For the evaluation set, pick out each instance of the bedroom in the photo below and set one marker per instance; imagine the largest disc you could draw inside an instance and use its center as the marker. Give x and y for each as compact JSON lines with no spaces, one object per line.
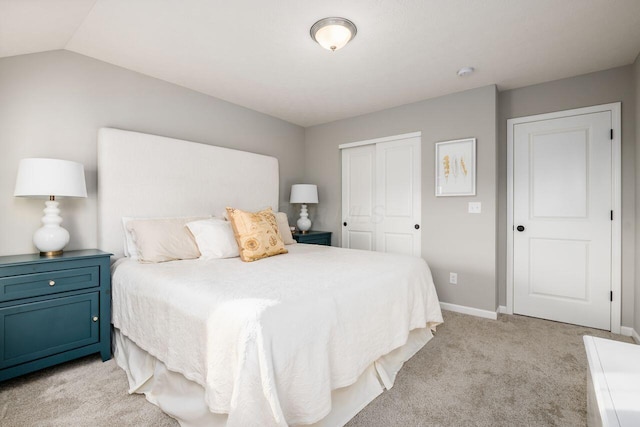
{"x":60,"y":82}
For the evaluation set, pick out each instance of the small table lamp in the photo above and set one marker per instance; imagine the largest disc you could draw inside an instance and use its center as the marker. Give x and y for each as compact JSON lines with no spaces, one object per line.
{"x":50,"y":178}
{"x":304,"y":193}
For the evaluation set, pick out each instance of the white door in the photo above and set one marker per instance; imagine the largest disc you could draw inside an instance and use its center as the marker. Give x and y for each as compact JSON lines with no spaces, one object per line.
{"x":381,"y":196}
{"x":562,"y":207}
{"x":398,"y":191}
{"x":358,"y":197}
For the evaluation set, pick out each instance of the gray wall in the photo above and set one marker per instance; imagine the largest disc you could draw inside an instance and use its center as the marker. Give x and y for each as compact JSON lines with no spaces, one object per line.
{"x":636,"y":76}
{"x":52,"y":104}
{"x":582,"y":91}
{"x":452,"y":239}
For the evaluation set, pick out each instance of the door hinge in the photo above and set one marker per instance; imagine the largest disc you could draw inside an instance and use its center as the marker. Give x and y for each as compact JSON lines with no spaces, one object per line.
{"x":611,"y":296}
{"x":611,"y":215}
{"x":612,"y":134}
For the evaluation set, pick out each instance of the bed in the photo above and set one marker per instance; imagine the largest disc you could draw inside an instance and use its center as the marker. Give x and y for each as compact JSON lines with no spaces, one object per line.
{"x":305,"y":338}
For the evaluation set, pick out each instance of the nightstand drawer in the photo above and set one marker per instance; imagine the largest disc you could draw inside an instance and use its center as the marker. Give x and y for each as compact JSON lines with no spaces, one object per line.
{"x":316,"y":241}
{"x":314,"y":237}
{"x":35,"y":330}
{"x":32,"y":285}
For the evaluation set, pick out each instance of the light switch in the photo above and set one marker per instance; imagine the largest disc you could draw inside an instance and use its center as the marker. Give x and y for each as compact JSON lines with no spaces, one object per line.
{"x":475,"y":207}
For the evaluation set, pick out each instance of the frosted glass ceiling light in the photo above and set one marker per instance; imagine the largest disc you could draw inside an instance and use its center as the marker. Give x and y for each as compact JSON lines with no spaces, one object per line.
{"x":333,"y":33}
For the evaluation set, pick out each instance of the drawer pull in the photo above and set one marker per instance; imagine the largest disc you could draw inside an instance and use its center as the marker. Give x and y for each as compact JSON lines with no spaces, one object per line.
{"x":51,"y":282}
{"x":95,"y":318}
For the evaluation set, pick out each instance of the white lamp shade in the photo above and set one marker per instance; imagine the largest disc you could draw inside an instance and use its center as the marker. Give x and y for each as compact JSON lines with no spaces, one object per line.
{"x":304,"y":193}
{"x":50,"y":177}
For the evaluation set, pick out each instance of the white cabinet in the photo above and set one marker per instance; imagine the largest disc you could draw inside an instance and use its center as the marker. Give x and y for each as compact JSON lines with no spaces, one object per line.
{"x":613,"y":383}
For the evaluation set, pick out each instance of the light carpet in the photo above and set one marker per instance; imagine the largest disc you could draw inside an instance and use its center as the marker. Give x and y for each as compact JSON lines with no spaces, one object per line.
{"x":475,"y":372}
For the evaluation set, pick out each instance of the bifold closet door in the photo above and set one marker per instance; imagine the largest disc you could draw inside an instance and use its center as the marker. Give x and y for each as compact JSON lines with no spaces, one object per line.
{"x":381,"y":197}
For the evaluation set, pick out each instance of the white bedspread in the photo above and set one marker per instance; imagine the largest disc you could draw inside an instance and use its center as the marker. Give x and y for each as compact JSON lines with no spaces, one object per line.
{"x":269,"y":340}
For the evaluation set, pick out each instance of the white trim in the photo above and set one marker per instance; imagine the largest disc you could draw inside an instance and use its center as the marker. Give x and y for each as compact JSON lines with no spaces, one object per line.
{"x":630,"y":332}
{"x":469,"y":310}
{"x":509,"y":274}
{"x":377,"y":140}
{"x":616,"y":226}
{"x":502,"y":309}
{"x":616,"y":229}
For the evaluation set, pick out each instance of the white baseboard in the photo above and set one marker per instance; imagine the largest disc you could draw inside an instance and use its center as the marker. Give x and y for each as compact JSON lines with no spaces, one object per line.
{"x":624,"y":330}
{"x":469,"y":310}
{"x":628,"y":332}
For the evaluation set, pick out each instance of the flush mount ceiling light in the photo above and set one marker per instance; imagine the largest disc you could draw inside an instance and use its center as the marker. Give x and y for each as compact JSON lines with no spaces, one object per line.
{"x":333,"y":33}
{"x":465,"y":71}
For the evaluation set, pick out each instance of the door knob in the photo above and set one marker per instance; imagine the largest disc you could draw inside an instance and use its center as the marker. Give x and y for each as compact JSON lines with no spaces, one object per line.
{"x":417,"y":226}
{"x":344,"y":223}
{"x":520,"y":228}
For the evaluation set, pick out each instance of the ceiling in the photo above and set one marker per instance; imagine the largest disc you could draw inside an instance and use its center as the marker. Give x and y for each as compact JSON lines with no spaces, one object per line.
{"x":259,"y":54}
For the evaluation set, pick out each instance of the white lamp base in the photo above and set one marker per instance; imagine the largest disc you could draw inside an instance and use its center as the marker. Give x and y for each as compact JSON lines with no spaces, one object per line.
{"x":50,"y":239}
{"x":304,"y":223}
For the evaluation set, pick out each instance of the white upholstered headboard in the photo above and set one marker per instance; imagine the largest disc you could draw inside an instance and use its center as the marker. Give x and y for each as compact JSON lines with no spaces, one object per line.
{"x":141,"y":175}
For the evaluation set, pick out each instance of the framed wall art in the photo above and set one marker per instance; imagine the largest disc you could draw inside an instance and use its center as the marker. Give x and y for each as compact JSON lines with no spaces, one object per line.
{"x":456,"y":167}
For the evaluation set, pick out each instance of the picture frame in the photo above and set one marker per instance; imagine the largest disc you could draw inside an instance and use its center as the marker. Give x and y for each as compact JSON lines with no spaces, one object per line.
{"x":455,"y":168}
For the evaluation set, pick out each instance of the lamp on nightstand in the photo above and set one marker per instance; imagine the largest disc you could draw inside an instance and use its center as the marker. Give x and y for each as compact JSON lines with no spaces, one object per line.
{"x":304,"y":193}
{"x":50,"y":178}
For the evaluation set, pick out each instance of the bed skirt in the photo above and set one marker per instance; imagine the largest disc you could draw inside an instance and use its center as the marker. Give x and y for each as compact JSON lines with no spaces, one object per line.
{"x":183,"y":399}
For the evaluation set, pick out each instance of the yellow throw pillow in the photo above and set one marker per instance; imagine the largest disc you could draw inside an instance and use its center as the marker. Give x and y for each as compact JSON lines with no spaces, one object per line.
{"x":256,"y":234}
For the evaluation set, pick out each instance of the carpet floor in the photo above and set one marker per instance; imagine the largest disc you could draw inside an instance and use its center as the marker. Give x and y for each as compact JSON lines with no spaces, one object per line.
{"x":516,"y":371}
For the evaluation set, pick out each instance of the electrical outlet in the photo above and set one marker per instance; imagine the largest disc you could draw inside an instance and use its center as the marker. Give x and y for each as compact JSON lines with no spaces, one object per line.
{"x":453,"y":278}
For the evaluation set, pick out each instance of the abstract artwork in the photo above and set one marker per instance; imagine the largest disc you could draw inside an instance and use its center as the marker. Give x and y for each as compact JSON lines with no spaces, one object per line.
{"x":456,"y":167}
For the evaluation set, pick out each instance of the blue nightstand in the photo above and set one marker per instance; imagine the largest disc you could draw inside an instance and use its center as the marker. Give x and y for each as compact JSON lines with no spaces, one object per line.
{"x":53,"y":310}
{"x":314,"y":237}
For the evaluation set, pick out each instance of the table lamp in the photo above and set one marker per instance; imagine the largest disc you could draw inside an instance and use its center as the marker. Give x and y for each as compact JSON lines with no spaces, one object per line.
{"x":50,"y":178}
{"x":304,"y":193}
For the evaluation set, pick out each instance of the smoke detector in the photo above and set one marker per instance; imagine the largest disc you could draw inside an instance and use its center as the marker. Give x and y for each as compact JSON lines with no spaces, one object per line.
{"x":465,"y":71}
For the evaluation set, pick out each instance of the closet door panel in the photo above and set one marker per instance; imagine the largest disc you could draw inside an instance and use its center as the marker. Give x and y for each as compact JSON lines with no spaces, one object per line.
{"x":398,"y":195}
{"x":358,"y":197}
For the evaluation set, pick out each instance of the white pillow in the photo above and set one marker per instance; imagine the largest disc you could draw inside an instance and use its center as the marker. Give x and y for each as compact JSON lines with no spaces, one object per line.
{"x":130,"y":248}
{"x":215,"y":238}
{"x":163,"y":239}
{"x":283,"y":227}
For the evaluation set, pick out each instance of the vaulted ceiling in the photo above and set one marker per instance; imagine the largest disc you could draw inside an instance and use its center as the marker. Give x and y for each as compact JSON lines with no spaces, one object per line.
{"x":259,"y":54}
